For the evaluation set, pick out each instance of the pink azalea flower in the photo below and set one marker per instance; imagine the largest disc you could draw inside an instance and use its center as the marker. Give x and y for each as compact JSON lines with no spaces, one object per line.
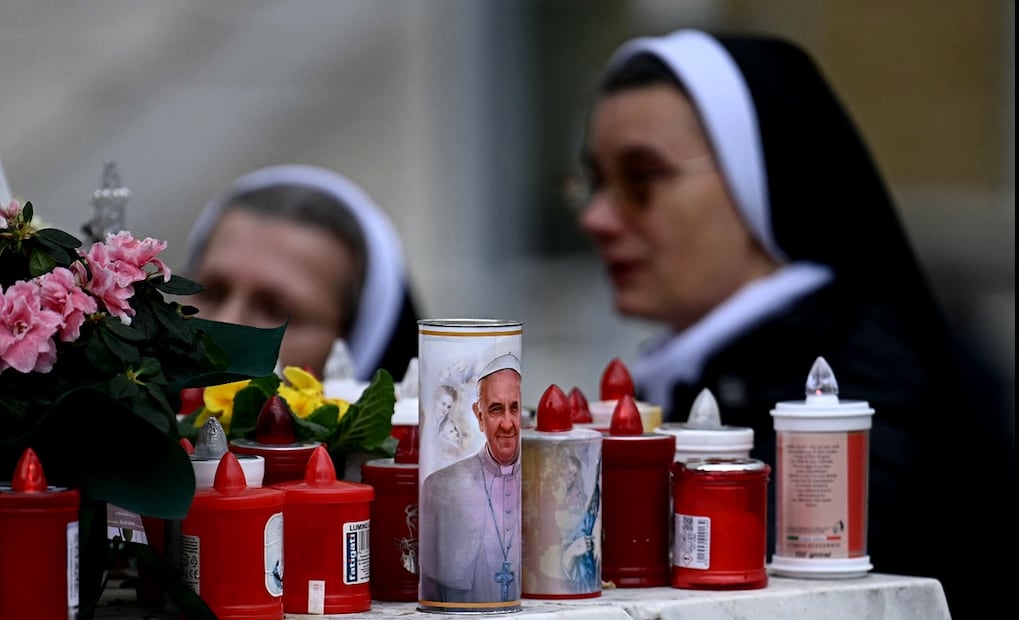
{"x":62,"y":293}
{"x":9,"y":212}
{"x":138,"y":254}
{"x":27,"y":330}
{"x":106,"y":287}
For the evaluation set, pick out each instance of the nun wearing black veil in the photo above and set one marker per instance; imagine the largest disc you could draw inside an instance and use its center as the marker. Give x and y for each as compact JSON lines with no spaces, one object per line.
{"x":306,"y":244}
{"x":733,"y":201}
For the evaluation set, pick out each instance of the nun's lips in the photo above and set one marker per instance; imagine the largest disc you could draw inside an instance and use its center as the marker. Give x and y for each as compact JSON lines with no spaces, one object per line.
{"x":622,"y":271}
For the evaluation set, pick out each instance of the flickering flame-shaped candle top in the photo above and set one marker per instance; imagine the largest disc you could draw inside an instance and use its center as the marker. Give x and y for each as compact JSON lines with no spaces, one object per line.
{"x":616,"y":381}
{"x":626,"y":418}
{"x":320,"y":470}
{"x":554,"y":411}
{"x":29,"y":476}
{"x":275,"y":424}
{"x":704,"y":412}
{"x":407,"y":448}
{"x":821,"y":384}
{"x":230,"y":479}
{"x":211,"y":442}
{"x":580,"y":411}
{"x":340,"y":363}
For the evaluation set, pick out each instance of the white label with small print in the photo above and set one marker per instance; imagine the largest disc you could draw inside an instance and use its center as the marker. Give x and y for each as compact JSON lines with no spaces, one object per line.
{"x":316,"y":597}
{"x":190,"y":560}
{"x":692,"y":542}
{"x":73,"y":571}
{"x":356,"y":558}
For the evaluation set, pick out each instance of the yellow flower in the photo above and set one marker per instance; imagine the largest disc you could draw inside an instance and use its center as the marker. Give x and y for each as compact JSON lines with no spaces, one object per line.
{"x":301,"y":402}
{"x":304,"y":393}
{"x":219,"y":401}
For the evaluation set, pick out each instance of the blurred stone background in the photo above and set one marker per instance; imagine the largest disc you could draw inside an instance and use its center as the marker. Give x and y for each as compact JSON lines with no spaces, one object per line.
{"x":461,"y":117}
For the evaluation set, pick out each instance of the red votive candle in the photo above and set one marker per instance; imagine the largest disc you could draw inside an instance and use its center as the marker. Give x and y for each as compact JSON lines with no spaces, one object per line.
{"x":39,"y":549}
{"x":635,"y":487}
{"x":232,"y":546}
{"x":720,"y":528}
{"x":326,"y":527}
{"x":394,"y":517}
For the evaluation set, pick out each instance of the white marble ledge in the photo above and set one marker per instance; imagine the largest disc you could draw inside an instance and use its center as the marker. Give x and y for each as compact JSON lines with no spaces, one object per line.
{"x":876,"y":596}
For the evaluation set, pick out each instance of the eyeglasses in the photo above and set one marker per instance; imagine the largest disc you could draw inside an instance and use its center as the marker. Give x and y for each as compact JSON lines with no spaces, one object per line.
{"x":634,"y":189}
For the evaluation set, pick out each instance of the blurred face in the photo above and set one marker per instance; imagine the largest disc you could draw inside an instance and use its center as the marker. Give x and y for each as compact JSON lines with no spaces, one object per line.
{"x":667,"y":230}
{"x":450,"y":433}
{"x":259,"y":270}
{"x":498,"y":411}
{"x":445,"y":404}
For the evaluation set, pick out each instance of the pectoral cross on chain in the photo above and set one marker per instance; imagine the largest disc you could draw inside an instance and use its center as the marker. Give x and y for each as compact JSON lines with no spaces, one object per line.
{"x":505,"y":578}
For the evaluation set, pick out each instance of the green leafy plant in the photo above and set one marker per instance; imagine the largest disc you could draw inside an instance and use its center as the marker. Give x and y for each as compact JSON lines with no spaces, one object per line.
{"x":94,"y":352}
{"x":362,"y":427}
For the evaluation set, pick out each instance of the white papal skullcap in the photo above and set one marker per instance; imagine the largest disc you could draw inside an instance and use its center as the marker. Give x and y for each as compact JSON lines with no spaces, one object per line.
{"x":507,"y":361}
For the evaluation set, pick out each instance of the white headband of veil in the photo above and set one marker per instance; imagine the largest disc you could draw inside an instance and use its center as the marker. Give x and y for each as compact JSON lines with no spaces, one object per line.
{"x":726,"y":109}
{"x":384,"y":284}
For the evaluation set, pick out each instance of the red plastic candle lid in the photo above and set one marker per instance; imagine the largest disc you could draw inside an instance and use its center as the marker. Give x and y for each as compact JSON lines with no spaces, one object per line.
{"x":580,"y":410}
{"x":554,"y":411}
{"x":29,"y":476}
{"x":616,"y":381}
{"x":275,"y":423}
{"x":320,"y":470}
{"x":626,"y":418}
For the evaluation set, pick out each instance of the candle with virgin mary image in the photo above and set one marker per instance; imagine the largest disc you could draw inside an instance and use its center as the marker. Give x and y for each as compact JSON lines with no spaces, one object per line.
{"x":469,"y":465}
{"x":561,"y":504}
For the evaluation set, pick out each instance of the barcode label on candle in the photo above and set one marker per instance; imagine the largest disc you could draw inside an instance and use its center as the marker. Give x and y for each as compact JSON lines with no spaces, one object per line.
{"x":355,"y":552}
{"x":692,"y":542}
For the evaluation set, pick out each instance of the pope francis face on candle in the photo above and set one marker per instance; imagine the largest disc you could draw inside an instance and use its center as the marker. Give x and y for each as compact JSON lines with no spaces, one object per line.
{"x":498,"y":412}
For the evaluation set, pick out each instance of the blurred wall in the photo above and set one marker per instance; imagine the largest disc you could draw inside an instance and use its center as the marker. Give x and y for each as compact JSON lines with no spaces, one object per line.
{"x":461,"y":116}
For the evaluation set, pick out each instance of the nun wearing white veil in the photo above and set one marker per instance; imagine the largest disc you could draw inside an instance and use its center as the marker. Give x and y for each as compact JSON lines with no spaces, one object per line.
{"x":305,"y":244}
{"x":733,"y":201}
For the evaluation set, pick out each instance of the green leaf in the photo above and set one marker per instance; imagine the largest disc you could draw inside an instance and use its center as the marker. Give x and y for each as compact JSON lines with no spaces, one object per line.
{"x":251,"y":351}
{"x":368,"y":421}
{"x":319,"y":424}
{"x":121,"y":387}
{"x":27,"y":212}
{"x":174,"y":323}
{"x":178,"y":285}
{"x":247,"y":405}
{"x":40,"y":262}
{"x":100,"y":356}
{"x":59,"y":237}
{"x":61,"y":255}
{"x":123,"y":351}
{"x":92,"y":442}
{"x":121,"y":331}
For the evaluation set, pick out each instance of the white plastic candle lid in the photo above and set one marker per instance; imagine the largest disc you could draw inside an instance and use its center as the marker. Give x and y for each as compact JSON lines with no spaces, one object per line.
{"x":821,"y":410}
{"x":821,"y":568}
{"x":701,"y":442}
{"x":819,"y":417}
